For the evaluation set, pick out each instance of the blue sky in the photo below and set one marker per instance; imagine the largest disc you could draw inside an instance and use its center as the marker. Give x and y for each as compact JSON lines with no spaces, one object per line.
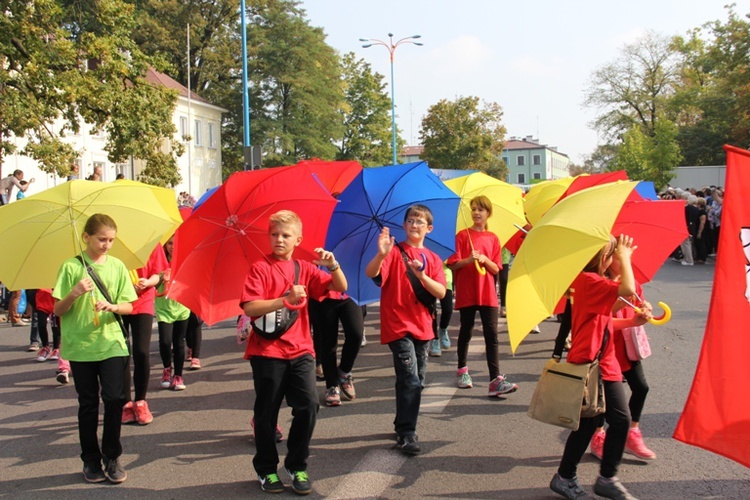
{"x":533,"y":57}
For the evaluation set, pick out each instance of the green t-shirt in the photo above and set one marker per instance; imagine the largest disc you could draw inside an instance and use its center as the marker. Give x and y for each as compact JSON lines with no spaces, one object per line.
{"x":448,"y":277}
{"x":168,"y":310}
{"x":81,"y":340}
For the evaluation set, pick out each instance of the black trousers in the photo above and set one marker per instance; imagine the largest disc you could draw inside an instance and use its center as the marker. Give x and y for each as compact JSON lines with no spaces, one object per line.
{"x":194,"y":335}
{"x":446,"y":312}
{"x":139,"y":326}
{"x":172,"y":340}
{"x":89,"y":377}
{"x":618,"y":418}
{"x":489,"y":316}
{"x":636,"y":379}
{"x":325,"y":317}
{"x":275,"y":380}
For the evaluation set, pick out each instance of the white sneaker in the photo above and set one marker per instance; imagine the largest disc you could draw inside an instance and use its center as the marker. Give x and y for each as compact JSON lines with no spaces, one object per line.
{"x":686,"y":263}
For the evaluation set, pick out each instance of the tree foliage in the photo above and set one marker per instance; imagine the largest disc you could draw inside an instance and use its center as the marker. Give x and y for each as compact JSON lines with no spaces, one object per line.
{"x":649,"y":158}
{"x":65,"y":63}
{"x":462,"y":135}
{"x":367,"y":134}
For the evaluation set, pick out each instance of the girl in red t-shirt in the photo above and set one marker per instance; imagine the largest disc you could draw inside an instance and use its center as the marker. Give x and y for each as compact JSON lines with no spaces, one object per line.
{"x":593,"y":298}
{"x":477,"y":248}
{"x":632,"y":371}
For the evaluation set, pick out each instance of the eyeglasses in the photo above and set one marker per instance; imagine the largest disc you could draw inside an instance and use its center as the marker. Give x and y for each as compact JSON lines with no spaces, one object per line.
{"x":415,"y":222}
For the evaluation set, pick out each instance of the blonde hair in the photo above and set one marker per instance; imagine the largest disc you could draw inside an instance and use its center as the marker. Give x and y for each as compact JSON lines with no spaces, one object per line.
{"x":284,"y":217}
{"x":595,"y":265}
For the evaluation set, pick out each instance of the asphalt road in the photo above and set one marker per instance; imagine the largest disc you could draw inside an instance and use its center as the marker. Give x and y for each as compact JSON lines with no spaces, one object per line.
{"x":475,"y":447}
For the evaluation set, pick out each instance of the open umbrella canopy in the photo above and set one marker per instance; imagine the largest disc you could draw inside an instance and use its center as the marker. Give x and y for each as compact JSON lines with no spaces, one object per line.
{"x":541,"y":197}
{"x":556,"y":249}
{"x":379,"y":197}
{"x":216,"y":245}
{"x":506,"y":199}
{"x":334,"y":175}
{"x":41,"y":231}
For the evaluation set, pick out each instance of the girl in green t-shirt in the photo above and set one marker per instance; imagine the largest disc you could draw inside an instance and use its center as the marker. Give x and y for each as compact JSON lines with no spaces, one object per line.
{"x":93,"y":342}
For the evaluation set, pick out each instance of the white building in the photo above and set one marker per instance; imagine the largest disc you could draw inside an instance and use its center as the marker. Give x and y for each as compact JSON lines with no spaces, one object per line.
{"x":194,"y":118}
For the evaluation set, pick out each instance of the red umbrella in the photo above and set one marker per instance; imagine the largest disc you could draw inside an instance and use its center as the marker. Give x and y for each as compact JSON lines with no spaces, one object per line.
{"x":586,"y":181}
{"x":215,"y":246}
{"x":334,"y":175}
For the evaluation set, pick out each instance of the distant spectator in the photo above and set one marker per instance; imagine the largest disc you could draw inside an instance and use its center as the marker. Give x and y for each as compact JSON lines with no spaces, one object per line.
{"x":97,"y":175}
{"x":73,"y":175}
{"x":7,"y":183}
{"x":120,"y":176}
{"x":20,"y":195}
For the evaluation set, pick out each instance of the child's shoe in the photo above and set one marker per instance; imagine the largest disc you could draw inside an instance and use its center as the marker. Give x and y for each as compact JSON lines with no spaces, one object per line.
{"x":300,"y":481}
{"x":445,"y":340}
{"x":54,"y":355}
{"x":319,"y":372}
{"x":597,"y":444}
{"x":635,"y":445}
{"x":346,"y":385}
{"x":333,"y":398}
{"x":43,"y":354}
{"x":166,"y":377}
{"x":435,"y":351}
{"x":63,"y":376}
{"x":279,"y":434}
{"x":128,"y":415}
{"x":270,"y":483}
{"x":142,"y":414}
{"x":195,"y":364}
{"x":463,"y":379}
{"x":501,"y":386}
{"x":177,"y":384}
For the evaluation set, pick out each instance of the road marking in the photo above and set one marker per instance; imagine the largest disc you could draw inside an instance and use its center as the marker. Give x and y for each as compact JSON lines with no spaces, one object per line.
{"x":435,"y":397}
{"x":371,"y":476}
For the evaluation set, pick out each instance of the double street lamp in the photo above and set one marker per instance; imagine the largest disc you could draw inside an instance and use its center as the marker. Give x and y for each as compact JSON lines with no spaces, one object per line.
{"x":391,"y":49}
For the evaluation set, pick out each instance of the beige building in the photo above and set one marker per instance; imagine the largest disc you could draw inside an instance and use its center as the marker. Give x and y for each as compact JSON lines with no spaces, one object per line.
{"x":198,"y":124}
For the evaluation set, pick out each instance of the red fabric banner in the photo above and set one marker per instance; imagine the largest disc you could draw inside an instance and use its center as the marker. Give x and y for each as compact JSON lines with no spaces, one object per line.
{"x":716,"y":416}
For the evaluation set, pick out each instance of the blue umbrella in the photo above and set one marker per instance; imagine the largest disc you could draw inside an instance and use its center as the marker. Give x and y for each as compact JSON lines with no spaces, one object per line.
{"x":379,"y":197}
{"x":647,"y":190}
{"x":205,"y":196}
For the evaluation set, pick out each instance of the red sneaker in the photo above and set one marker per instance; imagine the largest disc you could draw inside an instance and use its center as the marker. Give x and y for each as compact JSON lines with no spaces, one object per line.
{"x":166,"y":377}
{"x":635,"y":445}
{"x":597,"y":444}
{"x":128,"y":416}
{"x":142,"y":413}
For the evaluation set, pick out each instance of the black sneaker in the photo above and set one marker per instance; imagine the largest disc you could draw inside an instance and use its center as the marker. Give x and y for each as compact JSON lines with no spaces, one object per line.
{"x":300,"y":481}
{"x":114,"y":471}
{"x":270,"y":483}
{"x":92,"y":472}
{"x":408,"y":445}
{"x":569,"y":488}
{"x":611,"y":488}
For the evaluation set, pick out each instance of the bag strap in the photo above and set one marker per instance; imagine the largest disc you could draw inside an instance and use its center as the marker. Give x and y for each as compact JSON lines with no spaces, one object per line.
{"x":419,"y":290}
{"x":100,"y":285}
{"x":605,"y":338}
{"x":296,"y":272}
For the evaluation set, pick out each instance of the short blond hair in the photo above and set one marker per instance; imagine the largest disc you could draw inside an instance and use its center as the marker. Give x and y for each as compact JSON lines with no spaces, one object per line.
{"x":284,"y":217}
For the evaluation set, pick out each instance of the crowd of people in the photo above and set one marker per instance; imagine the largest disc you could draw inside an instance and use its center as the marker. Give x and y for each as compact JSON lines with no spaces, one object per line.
{"x":101,"y":322}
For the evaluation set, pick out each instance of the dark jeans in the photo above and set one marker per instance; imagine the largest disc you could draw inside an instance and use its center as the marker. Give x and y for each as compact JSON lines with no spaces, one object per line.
{"x":42,"y":318}
{"x":194,"y":335}
{"x":636,"y":379}
{"x":172,"y":338}
{"x":562,"y":333}
{"x":274,"y":380}
{"x":446,"y":312}
{"x":139,"y":326}
{"x":489,"y":316}
{"x":325,"y":317}
{"x":410,"y":365}
{"x":618,"y":418}
{"x":88,"y":376}
{"x":502,"y":278}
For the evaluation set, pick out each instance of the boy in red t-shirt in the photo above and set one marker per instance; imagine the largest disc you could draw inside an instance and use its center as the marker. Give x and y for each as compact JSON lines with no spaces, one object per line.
{"x":284,"y":368}
{"x":407,"y":325}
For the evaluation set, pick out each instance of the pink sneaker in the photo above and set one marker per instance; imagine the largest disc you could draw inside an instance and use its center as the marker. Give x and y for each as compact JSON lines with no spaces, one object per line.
{"x":128,"y":416}
{"x":166,"y":377}
{"x":635,"y":445}
{"x":54,"y":355}
{"x":177,"y":384}
{"x":195,"y":364}
{"x":43,"y":354}
{"x":597,"y":444}
{"x":142,"y":413}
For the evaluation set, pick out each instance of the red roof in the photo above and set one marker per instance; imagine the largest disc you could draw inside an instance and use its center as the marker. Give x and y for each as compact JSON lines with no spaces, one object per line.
{"x":522,"y":144}
{"x":153,"y":76}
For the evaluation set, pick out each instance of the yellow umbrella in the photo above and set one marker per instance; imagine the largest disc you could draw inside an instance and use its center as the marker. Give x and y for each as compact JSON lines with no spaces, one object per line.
{"x":555,"y":250}
{"x":542,"y":196}
{"x":39,"y":232}
{"x":507,"y":203}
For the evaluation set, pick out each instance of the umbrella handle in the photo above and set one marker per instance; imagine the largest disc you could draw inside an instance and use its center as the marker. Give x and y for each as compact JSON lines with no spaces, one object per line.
{"x":481,"y":269}
{"x":96,"y":313}
{"x":660,"y":320}
{"x":295,"y":307}
{"x":424,"y":262}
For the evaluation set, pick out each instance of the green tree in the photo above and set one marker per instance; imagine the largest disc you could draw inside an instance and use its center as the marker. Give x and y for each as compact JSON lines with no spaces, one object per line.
{"x":367,"y":123}
{"x":64,"y":63}
{"x":462,"y":135}
{"x":649,"y":158}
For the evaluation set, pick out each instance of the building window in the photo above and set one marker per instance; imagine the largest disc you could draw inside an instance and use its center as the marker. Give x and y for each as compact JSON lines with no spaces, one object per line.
{"x":537,"y":175}
{"x":211,"y":136}
{"x":521,"y":178}
{"x":184,"y":127}
{"x":198,"y":137}
{"x":505,"y":160}
{"x":537,"y":159}
{"x":520,"y":161}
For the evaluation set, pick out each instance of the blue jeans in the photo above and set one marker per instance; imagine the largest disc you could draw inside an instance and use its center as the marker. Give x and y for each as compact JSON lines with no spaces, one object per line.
{"x":410,"y":364}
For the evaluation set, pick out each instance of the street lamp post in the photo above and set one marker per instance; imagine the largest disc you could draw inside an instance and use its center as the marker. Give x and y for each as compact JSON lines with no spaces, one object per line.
{"x":391,"y":50}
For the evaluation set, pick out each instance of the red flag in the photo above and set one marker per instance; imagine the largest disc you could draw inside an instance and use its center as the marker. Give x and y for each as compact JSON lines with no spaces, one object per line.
{"x":717,"y":413}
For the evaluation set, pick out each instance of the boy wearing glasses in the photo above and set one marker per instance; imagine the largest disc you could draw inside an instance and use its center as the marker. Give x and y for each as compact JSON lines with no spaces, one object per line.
{"x":406,"y":327}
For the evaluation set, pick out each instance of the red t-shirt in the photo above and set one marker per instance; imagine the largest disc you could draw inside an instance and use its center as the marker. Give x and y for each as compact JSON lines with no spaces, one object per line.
{"x":44,"y":300}
{"x":157,"y":263}
{"x":592,"y":297}
{"x":620,"y":351}
{"x":472,"y":288}
{"x":400,"y":311}
{"x":271,"y":280}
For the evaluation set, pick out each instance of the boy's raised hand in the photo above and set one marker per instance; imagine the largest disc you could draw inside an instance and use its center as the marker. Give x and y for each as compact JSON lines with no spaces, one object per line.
{"x":385,"y":241}
{"x":325,"y":258}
